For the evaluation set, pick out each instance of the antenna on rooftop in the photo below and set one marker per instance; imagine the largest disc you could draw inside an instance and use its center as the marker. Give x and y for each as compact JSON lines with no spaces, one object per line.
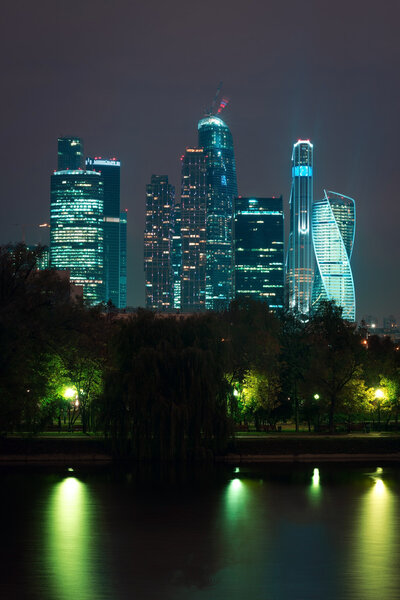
{"x":214,"y":102}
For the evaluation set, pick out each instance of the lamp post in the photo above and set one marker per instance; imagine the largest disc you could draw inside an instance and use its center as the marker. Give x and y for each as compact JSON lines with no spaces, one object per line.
{"x":379,"y":395}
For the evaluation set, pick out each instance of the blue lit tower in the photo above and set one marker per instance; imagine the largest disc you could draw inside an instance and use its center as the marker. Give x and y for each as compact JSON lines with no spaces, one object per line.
{"x":333,"y":229}
{"x":76,"y":229}
{"x":299,"y":268}
{"x":258,"y":249}
{"x":110,"y":172}
{"x":216,"y":139}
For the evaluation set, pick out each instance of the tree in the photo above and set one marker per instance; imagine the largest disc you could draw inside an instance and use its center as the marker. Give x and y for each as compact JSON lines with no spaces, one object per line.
{"x":335,"y":356}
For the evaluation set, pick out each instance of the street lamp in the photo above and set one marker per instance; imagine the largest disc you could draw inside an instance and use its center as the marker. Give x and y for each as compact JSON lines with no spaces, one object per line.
{"x":379,"y":395}
{"x":316,"y":396}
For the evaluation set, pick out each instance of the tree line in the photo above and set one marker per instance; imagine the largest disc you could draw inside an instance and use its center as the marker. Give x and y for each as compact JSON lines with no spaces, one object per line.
{"x":178,"y":386}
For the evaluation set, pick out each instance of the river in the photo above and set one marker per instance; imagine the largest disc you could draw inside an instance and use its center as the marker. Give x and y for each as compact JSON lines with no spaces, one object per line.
{"x":261,"y":532}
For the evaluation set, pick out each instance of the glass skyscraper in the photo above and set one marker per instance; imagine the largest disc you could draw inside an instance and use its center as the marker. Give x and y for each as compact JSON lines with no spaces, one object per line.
{"x":157,"y":244}
{"x":300,"y":262}
{"x":258,"y":247}
{"x":123,"y":223}
{"x":110,"y":172}
{"x":193,"y":230}
{"x":333,"y":230}
{"x":76,"y":229}
{"x":70,"y":153}
{"x":216,"y":140}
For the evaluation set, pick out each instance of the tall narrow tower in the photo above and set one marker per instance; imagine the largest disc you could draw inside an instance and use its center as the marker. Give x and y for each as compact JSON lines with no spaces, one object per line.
{"x":110,"y":173}
{"x":157,"y":244}
{"x":193,"y":230}
{"x":300,"y":264}
{"x":216,"y":140}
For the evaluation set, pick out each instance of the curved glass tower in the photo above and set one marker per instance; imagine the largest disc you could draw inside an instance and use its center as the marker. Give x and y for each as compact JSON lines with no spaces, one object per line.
{"x":216,"y":139}
{"x":76,"y":229}
{"x":333,"y":229}
{"x":300,"y":266}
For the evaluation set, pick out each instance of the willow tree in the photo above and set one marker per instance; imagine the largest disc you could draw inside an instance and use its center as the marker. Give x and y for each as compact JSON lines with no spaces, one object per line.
{"x":164,"y":389}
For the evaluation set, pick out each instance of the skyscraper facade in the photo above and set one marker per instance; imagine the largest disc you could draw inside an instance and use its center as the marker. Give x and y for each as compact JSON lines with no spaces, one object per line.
{"x":176,"y":253}
{"x":258,"y":249}
{"x":123,"y":223}
{"x":193,"y":230}
{"x":70,"y":153}
{"x":300,"y":261}
{"x":216,"y":140}
{"x":76,"y":229}
{"x":333,"y":229}
{"x":157,"y":244}
{"x":110,"y":172}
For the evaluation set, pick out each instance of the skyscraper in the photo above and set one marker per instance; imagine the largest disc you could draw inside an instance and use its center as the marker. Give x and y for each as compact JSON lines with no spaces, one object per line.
{"x":76,"y":229}
{"x":216,"y":140}
{"x":70,"y":153}
{"x":110,"y":173}
{"x":300,"y":262}
{"x":193,"y":230}
{"x":176,"y":253}
{"x":123,"y":222}
{"x":333,"y":229}
{"x":157,"y":244}
{"x":258,"y":246}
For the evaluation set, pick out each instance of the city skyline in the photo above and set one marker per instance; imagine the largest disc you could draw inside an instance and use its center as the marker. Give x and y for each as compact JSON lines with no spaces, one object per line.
{"x":134,"y":102}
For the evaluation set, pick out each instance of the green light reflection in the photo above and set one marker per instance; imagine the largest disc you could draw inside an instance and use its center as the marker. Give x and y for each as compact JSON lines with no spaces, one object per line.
{"x":315,"y":487}
{"x":375,"y":543}
{"x":69,"y":553}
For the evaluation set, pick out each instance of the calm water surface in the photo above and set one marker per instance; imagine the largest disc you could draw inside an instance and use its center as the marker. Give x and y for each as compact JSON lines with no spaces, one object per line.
{"x":270,"y":533}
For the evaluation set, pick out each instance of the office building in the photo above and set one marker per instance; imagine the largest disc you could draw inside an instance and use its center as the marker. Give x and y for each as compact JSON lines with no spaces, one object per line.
{"x":123,"y":223}
{"x":215,"y":138}
{"x":110,"y":172}
{"x":300,"y":260}
{"x":258,"y":249}
{"x":76,"y":229}
{"x":333,"y":229}
{"x":70,"y":153}
{"x":193,"y":230}
{"x":157,"y":244}
{"x":176,"y":253}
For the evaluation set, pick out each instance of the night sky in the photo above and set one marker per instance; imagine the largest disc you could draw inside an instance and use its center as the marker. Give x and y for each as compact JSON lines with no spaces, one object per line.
{"x":132,"y":78}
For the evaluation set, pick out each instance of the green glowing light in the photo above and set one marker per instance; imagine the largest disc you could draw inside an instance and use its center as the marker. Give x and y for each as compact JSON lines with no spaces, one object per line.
{"x":69,"y":393}
{"x":237,"y":470}
{"x":379,"y":394}
{"x":316,"y":396}
{"x":379,"y":470}
{"x":315,"y":478}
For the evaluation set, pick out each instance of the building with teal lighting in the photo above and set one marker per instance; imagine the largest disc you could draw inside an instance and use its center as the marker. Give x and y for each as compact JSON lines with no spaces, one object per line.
{"x":76,"y":229}
{"x":333,"y":230}
{"x":216,"y":140}
{"x":258,"y":250}
{"x":300,"y":260}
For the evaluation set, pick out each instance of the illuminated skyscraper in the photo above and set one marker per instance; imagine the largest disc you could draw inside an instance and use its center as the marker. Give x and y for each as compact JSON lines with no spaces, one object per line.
{"x":70,"y":153}
{"x":193,"y":230}
{"x":176,"y":253}
{"x":110,"y":173}
{"x":76,"y":229}
{"x":300,"y":262}
{"x":216,"y":140}
{"x":258,"y":242}
{"x":157,"y":244}
{"x":123,"y":222}
{"x":333,"y":229}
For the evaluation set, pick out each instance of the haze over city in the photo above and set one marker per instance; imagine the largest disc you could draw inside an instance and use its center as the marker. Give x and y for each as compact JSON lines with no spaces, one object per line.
{"x":133,"y":80}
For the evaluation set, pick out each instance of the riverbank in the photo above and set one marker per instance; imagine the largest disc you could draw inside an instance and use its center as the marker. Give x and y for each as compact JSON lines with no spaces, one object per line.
{"x":245,"y":448}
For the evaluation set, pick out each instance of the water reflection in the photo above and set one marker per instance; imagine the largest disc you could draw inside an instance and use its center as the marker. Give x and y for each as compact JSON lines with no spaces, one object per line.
{"x":376,"y":541}
{"x":69,"y":541}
